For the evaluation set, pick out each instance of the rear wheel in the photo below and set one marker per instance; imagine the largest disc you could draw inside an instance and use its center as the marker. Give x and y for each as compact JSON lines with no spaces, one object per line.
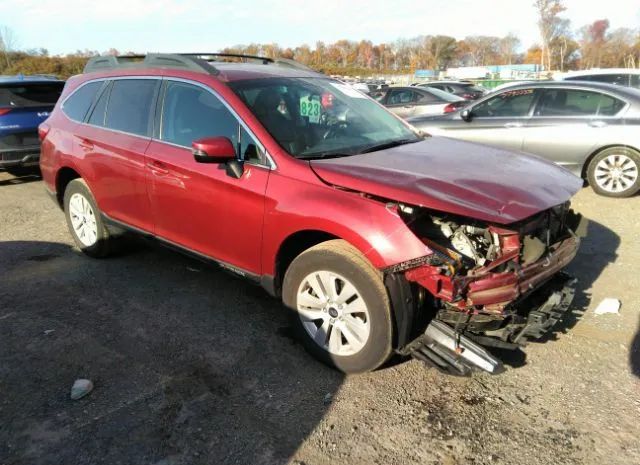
{"x":341,"y":309}
{"x":85,"y":221}
{"x":615,"y":172}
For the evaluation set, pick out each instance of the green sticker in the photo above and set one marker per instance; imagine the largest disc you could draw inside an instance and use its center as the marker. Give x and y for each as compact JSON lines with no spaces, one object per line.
{"x":310,"y":107}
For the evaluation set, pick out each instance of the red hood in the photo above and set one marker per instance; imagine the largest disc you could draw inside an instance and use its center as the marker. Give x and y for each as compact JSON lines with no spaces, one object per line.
{"x":454,"y":176}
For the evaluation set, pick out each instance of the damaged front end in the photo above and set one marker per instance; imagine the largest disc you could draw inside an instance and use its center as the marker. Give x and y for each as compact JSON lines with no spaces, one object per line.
{"x":490,"y":285}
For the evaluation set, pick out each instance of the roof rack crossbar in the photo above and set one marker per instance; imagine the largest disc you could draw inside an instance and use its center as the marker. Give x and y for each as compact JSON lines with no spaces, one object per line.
{"x":151,"y":60}
{"x":199,"y":62}
{"x":264,"y":60}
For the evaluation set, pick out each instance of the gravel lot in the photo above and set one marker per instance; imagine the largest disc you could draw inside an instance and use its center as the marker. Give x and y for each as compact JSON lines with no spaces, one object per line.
{"x":194,"y":366}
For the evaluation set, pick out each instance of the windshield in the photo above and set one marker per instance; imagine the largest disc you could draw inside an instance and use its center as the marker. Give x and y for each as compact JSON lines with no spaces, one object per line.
{"x":30,"y":94}
{"x":315,"y":117}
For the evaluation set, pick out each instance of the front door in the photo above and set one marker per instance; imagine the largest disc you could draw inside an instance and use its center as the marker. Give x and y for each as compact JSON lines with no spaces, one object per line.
{"x":196,"y":205}
{"x":496,"y":121}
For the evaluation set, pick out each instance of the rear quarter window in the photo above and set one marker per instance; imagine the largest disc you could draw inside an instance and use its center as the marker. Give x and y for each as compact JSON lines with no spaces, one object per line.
{"x":79,"y":102}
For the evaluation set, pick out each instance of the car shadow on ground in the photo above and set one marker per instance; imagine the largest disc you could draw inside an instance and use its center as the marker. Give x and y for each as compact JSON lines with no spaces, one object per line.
{"x":634,"y":354}
{"x":20,"y":175}
{"x":190,"y":365}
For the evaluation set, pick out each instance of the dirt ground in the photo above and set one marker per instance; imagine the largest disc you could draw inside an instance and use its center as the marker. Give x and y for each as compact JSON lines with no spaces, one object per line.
{"x":194,"y":366}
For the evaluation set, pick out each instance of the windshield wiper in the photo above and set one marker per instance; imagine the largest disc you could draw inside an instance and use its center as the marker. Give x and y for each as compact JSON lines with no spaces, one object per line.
{"x":314,"y":156}
{"x":388,"y":145}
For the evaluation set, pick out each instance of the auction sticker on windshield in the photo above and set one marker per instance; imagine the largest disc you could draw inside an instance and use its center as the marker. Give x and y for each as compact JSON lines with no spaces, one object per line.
{"x":310,"y":107}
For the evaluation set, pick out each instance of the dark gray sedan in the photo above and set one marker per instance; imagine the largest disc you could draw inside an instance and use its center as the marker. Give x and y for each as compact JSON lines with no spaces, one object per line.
{"x":592,"y":129}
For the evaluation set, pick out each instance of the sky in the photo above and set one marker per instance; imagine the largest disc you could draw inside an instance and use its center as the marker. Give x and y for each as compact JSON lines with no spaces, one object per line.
{"x":65,"y":26}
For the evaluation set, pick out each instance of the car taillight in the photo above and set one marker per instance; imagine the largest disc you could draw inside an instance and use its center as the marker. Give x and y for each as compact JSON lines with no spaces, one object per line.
{"x":450,"y":108}
{"x":43,"y":130}
{"x":4,"y":111}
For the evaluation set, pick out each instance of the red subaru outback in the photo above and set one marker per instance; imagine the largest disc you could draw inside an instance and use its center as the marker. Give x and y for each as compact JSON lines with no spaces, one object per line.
{"x":379,"y":239}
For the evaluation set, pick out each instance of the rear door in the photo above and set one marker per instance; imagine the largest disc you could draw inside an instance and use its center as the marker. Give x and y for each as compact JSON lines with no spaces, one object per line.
{"x":198,"y":206}
{"x":113,"y":142}
{"x":568,"y":124}
{"x":496,"y":121}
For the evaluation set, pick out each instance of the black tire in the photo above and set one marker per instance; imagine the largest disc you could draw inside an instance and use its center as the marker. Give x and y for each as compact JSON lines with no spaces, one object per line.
{"x":338,"y":256}
{"x":102,"y":246}
{"x":627,"y":152}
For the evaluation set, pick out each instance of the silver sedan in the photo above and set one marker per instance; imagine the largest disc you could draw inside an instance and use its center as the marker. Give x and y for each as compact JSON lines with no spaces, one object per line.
{"x":592,"y":129}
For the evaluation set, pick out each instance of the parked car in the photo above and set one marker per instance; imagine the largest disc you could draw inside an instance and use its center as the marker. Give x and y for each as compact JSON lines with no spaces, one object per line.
{"x":619,"y":76}
{"x":592,"y":129}
{"x":375,"y":238}
{"x":25,"y":102}
{"x":465,"y":89}
{"x":407,"y":102}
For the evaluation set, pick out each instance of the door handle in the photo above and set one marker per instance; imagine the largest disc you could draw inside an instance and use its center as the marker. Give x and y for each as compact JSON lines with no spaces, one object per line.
{"x":157,"y":168}
{"x":408,"y":106}
{"x":513,"y":125}
{"x":597,"y":124}
{"x":85,"y":144}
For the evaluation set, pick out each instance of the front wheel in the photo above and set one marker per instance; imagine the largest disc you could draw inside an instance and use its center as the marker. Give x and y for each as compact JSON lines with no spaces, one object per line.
{"x":614,"y":172}
{"x":341,"y":309}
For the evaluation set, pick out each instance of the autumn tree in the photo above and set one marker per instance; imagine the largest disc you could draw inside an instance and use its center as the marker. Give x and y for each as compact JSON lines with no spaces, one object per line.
{"x":593,"y":38}
{"x":548,"y":24}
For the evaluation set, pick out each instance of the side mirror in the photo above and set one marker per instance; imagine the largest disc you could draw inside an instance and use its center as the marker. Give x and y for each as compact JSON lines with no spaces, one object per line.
{"x":213,"y":150}
{"x":466,"y":114}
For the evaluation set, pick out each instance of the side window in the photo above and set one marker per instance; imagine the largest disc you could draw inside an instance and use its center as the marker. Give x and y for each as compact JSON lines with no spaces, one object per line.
{"x":249,"y":150}
{"x":569,"y":102}
{"x":130,"y":105}
{"x":619,"y":79}
{"x":190,"y":112}
{"x":512,"y":103}
{"x":635,"y":81}
{"x":77,"y":105}
{"x":98,"y":114}
{"x":398,"y":97}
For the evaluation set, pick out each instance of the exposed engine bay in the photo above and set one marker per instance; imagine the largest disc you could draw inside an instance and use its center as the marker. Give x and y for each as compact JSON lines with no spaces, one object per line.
{"x":492,"y":285}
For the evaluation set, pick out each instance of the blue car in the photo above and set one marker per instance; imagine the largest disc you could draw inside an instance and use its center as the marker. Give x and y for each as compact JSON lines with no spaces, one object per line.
{"x":25,"y":102}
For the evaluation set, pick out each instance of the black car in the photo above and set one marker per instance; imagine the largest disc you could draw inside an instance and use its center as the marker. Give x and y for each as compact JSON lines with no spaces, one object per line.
{"x":590,"y":128}
{"x":465,"y":89}
{"x":620,"y":77}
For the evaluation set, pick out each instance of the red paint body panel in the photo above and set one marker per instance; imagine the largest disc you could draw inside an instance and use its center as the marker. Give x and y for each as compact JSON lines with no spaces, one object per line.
{"x":456,"y":177}
{"x":200,"y":207}
{"x":161,"y":189}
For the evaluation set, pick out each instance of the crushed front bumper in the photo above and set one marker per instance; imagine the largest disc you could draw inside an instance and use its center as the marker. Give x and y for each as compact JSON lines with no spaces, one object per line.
{"x":457,"y":352}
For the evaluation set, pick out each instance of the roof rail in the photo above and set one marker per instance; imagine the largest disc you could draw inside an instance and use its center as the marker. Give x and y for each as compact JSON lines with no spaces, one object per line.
{"x":151,"y":60}
{"x":198,"y":62}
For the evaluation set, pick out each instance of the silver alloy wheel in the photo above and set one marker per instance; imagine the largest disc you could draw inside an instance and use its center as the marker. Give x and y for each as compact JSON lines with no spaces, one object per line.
{"x":616,"y":173}
{"x":333,"y":313}
{"x":83,"y":219}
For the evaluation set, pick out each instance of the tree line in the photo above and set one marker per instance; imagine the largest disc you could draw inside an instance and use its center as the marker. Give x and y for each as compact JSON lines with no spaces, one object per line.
{"x":561,"y":48}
